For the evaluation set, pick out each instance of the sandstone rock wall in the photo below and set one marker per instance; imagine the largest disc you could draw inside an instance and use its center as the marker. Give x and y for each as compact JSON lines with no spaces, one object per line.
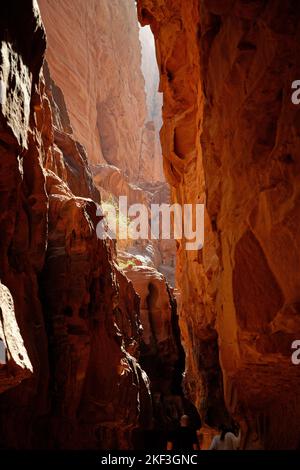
{"x":231,"y":138}
{"x":161,"y":352}
{"x":23,"y":209}
{"x":69,"y":319}
{"x":90,"y":47}
{"x":94,"y":55}
{"x":151,"y":147}
{"x":150,"y":165}
{"x":151,"y":75}
{"x":161,"y":355}
{"x":112,"y":183}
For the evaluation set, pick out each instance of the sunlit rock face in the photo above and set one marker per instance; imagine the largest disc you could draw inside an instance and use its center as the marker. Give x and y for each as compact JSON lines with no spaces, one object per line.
{"x":151,"y":147}
{"x":15,"y":365}
{"x":94,"y":55}
{"x":150,"y":165}
{"x":69,"y":322}
{"x":151,"y":76}
{"x":231,"y":138}
{"x":87,"y":42}
{"x":158,"y":253}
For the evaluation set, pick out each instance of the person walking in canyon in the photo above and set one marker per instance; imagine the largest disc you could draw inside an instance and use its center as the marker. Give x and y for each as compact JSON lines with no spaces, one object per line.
{"x":227,"y":440}
{"x":184,"y":438}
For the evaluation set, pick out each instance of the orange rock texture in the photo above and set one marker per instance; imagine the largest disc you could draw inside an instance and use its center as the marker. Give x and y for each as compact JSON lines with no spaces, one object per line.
{"x":151,"y":76}
{"x":154,"y":105}
{"x":69,"y":320}
{"x":94,"y":55}
{"x":231,"y":139}
{"x":161,"y":354}
{"x":112,"y":183}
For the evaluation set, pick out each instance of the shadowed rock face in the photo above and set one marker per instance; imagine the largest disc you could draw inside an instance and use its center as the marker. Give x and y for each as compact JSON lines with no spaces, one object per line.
{"x":69,"y":319}
{"x":161,"y":354}
{"x":231,"y":138}
{"x":23,"y":204}
{"x":257,"y":299}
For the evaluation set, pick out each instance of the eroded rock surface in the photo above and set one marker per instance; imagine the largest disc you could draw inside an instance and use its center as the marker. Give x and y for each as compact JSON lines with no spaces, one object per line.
{"x":77,"y":381}
{"x":94,"y":55}
{"x":15,"y":364}
{"x":231,"y":139}
{"x":161,"y":354}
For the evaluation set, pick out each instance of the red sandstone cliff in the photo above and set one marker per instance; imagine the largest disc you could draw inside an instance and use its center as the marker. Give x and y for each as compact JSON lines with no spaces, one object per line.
{"x":231,"y":138}
{"x":151,"y":142}
{"x":69,"y":320}
{"x":94,"y":55}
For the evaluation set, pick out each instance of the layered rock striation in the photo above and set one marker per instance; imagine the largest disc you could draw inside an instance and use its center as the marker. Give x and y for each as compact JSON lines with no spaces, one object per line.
{"x":94,"y":55}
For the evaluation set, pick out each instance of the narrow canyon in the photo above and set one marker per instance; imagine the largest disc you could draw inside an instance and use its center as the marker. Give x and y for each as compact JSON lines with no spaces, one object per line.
{"x":106,"y":343}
